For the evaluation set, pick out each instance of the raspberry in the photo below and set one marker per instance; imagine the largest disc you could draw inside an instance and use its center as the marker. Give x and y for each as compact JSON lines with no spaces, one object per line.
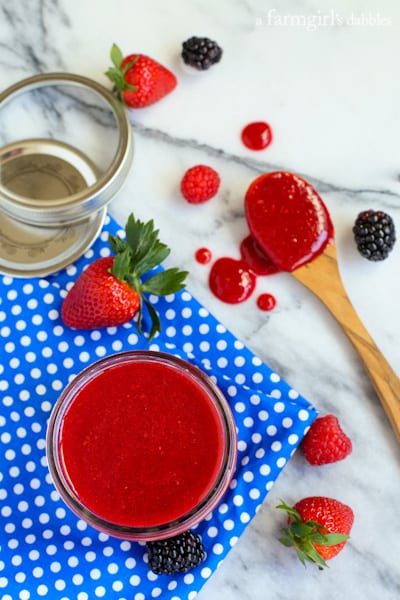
{"x":177,"y":554}
{"x":374,"y":234}
{"x":200,"y":183}
{"x":326,"y":442}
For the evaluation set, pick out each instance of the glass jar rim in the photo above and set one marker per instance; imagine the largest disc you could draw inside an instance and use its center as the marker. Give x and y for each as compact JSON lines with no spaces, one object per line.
{"x":99,"y":192}
{"x":186,"y":520}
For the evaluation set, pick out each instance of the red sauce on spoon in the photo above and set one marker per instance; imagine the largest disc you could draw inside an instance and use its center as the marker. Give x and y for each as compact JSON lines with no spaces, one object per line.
{"x":255,"y":259}
{"x":288,"y":219}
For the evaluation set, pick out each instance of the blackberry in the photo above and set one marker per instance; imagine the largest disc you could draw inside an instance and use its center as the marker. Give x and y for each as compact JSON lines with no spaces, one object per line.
{"x":201,"y":53}
{"x":374,"y":234}
{"x":176,"y":554}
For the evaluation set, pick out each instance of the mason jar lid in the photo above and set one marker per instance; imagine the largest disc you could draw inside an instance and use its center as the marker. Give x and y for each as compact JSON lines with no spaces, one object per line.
{"x":65,"y":151}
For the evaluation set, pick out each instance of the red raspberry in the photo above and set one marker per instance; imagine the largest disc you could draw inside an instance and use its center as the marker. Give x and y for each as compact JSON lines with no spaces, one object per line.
{"x":326,"y":442}
{"x":200,"y":183}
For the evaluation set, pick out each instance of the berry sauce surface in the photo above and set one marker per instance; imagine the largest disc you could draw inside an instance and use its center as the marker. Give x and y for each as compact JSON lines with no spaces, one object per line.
{"x":141,"y":444}
{"x":231,"y":280}
{"x":203,"y":256}
{"x":257,"y":135}
{"x":255,"y":258}
{"x":288,"y":219}
{"x":266,"y":302}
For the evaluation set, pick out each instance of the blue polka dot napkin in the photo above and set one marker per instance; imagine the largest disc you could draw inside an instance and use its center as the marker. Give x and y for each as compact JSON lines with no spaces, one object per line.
{"x":47,"y":552}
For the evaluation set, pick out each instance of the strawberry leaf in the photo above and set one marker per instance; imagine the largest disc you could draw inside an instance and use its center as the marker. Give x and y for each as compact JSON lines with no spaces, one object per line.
{"x":116,"y":73}
{"x":155,"y":256}
{"x":121,"y":264}
{"x":139,"y":254}
{"x":331,"y":539}
{"x":292,"y":512}
{"x":116,"y":244}
{"x":165,"y":282}
{"x":286,"y":540}
{"x":299,"y":529}
{"x":155,"y":319}
{"x":116,"y":56}
{"x":141,"y":237}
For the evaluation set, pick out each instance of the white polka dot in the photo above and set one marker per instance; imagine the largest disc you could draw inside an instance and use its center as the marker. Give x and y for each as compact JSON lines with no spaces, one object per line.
{"x":222,"y":362}
{"x":257,"y":377}
{"x":212,"y":532}
{"x":254,"y":494}
{"x":265,"y":469}
{"x":248,"y":476}
{"x":100,"y":591}
{"x":229,"y":524}
{"x":240,"y":407}
{"x":218,"y":549}
{"x":238,"y":500}
{"x":272,"y":430}
{"x":206,"y":572}
{"x":303,"y":415}
{"x":90,"y":556}
{"x":242,"y":446}
{"x":73,"y":561}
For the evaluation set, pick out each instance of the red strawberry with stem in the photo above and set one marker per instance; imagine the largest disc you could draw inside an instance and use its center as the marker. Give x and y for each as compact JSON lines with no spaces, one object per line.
{"x":111,"y":291}
{"x":326,"y":442}
{"x":318,"y":528}
{"x":139,"y":80}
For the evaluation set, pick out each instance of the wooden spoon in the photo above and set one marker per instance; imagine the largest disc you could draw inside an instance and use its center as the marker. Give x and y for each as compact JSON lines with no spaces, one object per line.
{"x":322,"y":277}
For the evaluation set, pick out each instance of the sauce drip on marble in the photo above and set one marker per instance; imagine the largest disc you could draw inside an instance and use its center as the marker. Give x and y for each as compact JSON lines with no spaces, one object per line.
{"x":257,"y":135}
{"x":203,"y":256}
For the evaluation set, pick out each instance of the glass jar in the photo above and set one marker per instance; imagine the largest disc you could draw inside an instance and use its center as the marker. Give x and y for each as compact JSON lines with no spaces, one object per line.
{"x":141,"y":445}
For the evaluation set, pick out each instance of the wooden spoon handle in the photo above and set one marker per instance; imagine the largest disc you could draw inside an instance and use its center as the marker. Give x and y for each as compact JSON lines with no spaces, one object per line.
{"x":325,"y":281}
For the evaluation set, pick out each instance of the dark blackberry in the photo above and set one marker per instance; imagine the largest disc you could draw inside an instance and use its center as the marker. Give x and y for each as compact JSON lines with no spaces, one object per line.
{"x":201,"y":53}
{"x":374,"y":233}
{"x":176,"y":554}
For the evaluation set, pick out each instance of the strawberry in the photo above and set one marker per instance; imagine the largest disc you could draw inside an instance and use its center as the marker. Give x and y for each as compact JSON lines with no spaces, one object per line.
{"x":318,"y":528}
{"x":139,"y":80}
{"x":110,"y":291}
{"x":326,"y":442}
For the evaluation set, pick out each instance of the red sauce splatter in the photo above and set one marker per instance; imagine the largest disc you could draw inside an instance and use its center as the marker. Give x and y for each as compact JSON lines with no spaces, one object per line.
{"x":257,"y":135}
{"x":231,"y":280}
{"x":266,"y":302}
{"x":203,"y":256}
{"x":255,"y":258}
{"x":288,"y":219}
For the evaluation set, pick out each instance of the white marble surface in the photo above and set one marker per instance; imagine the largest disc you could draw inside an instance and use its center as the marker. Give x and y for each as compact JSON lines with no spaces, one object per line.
{"x":329,"y":87}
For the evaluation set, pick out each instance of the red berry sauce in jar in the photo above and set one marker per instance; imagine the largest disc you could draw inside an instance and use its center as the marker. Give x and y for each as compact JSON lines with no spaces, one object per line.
{"x":142,"y":444}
